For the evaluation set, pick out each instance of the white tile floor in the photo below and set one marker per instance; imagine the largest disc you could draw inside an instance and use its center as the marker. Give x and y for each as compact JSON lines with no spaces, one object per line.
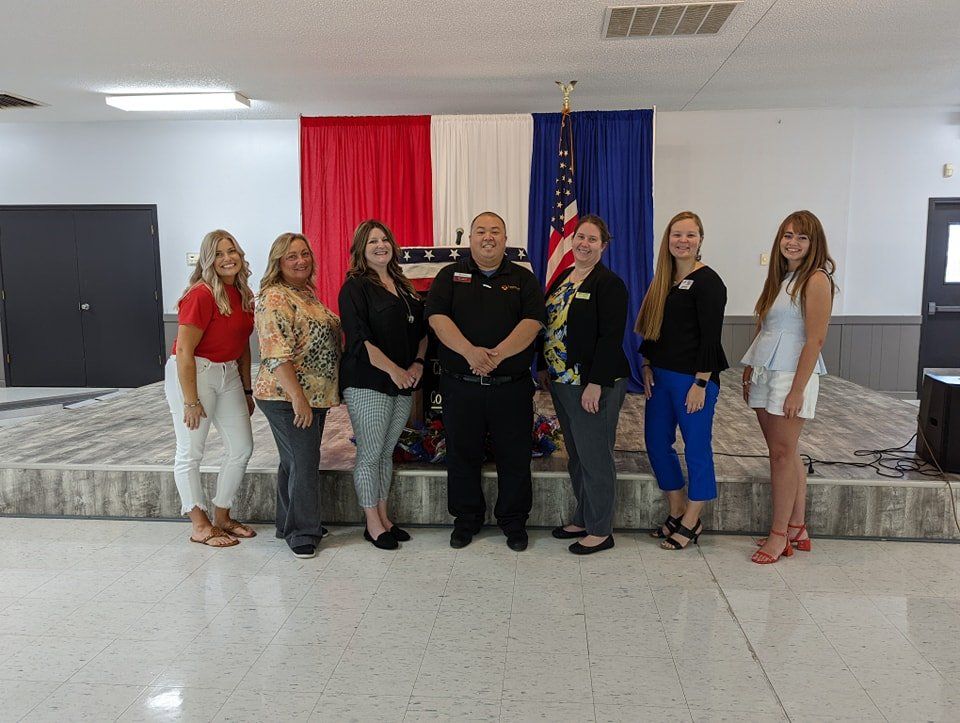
{"x":126,"y":621}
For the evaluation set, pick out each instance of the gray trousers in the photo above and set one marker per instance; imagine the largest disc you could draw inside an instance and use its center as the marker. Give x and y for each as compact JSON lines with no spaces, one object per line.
{"x":298,"y":479}
{"x":378,"y":420}
{"x":589,"y":439}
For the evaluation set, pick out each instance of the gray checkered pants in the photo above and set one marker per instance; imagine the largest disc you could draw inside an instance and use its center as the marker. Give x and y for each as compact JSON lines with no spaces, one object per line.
{"x":377,"y":419}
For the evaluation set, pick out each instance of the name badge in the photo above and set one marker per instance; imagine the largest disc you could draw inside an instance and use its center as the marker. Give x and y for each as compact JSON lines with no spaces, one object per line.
{"x":582,"y":295}
{"x":462,"y":278}
{"x":685,"y":284}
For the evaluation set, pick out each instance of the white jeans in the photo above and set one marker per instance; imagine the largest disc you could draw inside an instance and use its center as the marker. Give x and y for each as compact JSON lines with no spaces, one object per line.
{"x":220,"y":391}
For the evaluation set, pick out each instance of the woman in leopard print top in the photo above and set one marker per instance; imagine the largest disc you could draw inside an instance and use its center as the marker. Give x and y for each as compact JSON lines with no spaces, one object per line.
{"x":300,"y":342}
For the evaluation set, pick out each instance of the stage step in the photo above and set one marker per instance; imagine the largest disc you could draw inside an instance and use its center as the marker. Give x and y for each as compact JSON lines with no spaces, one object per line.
{"x":912,"y":509}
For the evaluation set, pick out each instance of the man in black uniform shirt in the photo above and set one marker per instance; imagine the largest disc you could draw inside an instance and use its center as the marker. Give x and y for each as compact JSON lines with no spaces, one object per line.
{"x":487,"y":311}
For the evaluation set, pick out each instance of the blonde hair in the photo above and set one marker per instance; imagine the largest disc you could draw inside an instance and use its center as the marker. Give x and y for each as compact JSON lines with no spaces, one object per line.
{"x":205,"y":273}
{"x":650,"y":318}
{"x":273,"y":275}
{"x":818,"y":258}
{"x":360,"y":269}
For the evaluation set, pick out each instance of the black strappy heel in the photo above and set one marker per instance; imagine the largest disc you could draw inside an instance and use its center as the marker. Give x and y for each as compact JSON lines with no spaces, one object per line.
{"x":692,"y":537}
{"x":671,"y":523}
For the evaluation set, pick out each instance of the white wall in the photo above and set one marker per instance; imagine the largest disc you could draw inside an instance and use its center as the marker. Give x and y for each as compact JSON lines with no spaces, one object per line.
{"x":897,"y":169}
{"x":867,"y":173}
{"x":242,"y":176}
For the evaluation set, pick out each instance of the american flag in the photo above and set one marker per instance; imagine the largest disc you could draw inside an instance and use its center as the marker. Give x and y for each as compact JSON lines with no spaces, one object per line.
{"x":564,"y":217}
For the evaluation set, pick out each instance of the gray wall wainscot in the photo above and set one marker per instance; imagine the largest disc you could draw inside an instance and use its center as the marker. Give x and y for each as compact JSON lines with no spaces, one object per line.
{"x":878,"y":352}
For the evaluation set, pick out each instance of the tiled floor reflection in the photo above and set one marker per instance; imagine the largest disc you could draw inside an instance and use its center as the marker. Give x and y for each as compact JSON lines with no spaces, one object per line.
{"x":104,"y":620}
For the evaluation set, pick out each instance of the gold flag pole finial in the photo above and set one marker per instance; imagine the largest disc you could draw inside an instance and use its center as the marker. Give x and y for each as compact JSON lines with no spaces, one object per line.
{"x":567,"y":89}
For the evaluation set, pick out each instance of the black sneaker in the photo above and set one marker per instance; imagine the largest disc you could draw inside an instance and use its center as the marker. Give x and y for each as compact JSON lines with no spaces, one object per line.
{"x":517,"y":540}
{"x":460,"y":538}
{"x":304,"y":551}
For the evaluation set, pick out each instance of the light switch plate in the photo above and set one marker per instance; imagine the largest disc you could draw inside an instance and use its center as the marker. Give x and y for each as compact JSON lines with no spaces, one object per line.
{"x":192,"y":259}
{"x":764,"y":259}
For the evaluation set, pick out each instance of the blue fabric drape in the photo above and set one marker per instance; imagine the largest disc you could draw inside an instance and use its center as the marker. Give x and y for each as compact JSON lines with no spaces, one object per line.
{"x":613,"y":154}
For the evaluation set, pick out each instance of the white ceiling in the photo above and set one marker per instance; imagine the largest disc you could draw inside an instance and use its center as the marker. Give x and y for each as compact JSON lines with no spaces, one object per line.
{"x":361,"y":57}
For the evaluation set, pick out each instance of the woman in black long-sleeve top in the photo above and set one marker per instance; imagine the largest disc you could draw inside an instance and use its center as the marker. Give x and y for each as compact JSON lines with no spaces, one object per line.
{"x":680,"y":320}
{"x":385,"y":332}
{"x":584,"y":365}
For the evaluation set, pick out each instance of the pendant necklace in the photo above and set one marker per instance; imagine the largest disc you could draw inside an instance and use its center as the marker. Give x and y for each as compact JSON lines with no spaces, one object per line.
{"x":409,"y":312}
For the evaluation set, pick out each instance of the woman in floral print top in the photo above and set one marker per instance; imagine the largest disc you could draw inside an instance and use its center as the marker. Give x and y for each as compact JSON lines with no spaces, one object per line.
{"x":300,"y":343}
{"x":295,"y":327}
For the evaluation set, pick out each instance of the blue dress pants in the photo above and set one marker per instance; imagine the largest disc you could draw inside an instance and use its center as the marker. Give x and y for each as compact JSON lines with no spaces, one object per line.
{"x":664,"y":412}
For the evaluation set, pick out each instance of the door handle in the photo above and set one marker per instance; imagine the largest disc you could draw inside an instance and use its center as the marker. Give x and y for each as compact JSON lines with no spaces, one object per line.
{"x":84,"y":307}
{"x":933,"y":308}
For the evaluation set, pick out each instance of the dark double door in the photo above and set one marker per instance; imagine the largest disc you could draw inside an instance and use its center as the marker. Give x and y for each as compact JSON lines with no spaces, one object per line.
{"x":940,"y":325}
{"x":81,"y":296}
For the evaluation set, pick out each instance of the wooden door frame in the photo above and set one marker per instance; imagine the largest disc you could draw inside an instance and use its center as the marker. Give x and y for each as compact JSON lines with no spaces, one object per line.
{"x":152,"y":208}
{"x":934,"y":205}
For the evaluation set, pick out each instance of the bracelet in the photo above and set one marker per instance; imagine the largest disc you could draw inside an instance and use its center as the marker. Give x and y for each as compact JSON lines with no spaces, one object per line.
{"x":419,"y":361}
{"x":192,"y":406}
{"x":248,"y":392}
{"x":645,"y":364}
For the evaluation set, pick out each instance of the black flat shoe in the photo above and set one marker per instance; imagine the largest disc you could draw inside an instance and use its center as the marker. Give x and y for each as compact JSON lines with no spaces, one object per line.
{"x":562,"y":534}
{"x":517,"y":541}
{"x":385,"y":541}
{"x":579,"y":549}
{"x":400,"y":535}
{"x":460,"y":538}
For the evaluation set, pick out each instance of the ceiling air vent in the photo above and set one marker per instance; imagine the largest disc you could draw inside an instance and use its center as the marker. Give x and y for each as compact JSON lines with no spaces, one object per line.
{"x":9,"y":101}
{"x":642,"y":21}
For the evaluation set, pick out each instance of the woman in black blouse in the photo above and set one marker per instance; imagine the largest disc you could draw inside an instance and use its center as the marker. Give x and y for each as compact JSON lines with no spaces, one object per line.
{"x":382,"y":364}
{"x":583,"y":363}
{"x":680,"y":321}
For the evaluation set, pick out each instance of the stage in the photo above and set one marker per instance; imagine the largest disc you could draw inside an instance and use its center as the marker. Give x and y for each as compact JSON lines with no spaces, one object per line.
{"x":113,"y":458}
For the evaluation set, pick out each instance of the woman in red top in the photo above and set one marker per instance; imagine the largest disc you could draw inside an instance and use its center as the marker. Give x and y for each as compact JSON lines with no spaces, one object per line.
{"x":208,"y":380}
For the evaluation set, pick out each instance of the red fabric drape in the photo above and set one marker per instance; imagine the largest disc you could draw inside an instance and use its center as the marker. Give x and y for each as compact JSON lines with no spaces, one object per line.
{"x":354,"y":168}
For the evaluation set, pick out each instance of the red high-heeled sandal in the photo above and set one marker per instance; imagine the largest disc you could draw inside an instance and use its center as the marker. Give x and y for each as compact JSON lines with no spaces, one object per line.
{"x":804,"y":544}
{"x":762,"y":558}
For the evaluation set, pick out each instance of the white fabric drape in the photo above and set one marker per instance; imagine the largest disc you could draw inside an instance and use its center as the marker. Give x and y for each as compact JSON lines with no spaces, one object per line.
{"x":480,"y":163}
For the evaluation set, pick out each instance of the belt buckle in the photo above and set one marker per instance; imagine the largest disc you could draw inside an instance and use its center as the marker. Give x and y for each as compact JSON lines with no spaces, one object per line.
{"x":485,"y":381}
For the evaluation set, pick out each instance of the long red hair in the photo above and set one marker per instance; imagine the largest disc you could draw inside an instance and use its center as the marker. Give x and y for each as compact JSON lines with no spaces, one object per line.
{"x":818,"y":257}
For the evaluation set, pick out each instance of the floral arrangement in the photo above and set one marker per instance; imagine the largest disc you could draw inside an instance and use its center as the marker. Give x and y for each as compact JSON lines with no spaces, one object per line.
{"x":427,"y":444}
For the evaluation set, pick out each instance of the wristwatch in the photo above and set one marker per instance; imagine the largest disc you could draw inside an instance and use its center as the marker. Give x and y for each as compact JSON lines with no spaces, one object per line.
{"x":702,"y":383}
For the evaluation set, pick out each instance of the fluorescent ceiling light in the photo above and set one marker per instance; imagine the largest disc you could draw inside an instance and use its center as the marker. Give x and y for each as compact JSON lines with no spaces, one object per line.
{"x":180,"y":101}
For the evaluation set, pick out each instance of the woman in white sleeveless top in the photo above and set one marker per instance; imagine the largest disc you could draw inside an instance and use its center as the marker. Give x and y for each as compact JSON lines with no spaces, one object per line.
{"x":781,"y":377}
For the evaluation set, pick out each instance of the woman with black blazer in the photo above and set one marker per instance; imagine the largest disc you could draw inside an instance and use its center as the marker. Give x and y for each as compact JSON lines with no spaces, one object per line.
{"x":584,"y":366}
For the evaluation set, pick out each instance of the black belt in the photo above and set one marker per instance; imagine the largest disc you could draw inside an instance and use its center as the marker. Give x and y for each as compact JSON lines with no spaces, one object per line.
{"x":485,"y":381}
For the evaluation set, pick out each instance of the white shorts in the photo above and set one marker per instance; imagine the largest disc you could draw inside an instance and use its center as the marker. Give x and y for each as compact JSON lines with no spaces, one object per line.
{"x":768,"y":390}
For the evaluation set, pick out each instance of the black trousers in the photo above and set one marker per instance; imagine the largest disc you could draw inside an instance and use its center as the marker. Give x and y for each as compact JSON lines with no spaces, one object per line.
{"x":470,"y":411}
{"x":298,"y":478}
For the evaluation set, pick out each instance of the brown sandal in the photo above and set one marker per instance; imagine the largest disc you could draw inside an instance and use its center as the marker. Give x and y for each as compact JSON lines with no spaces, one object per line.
{"x":232,"y":526}
{"x":214,"y":533}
